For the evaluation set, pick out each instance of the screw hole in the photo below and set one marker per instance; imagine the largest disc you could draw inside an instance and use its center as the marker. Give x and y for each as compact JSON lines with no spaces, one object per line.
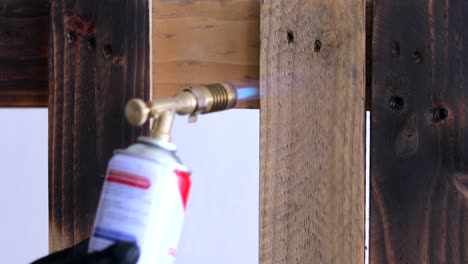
{"x":417,"y":57}
{"x":439,"y":114}
{"x":290,"y":36}
{"x":91,"y":44}
{"x":71,"y":36}
{"x":107,"y":51}
{"x":396,"y":103}
{"x":317,"y":45}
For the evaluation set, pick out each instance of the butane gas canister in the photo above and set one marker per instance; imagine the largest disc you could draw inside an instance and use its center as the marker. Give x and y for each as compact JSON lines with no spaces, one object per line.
{"x":143,"y":200}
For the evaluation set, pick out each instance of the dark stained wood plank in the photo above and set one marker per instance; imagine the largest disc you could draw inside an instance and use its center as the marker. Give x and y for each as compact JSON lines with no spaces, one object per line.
{"x":23,"y":52}
{"x":419,"y":181}
{"x":99,"y":60}
{"x":312,"y":82}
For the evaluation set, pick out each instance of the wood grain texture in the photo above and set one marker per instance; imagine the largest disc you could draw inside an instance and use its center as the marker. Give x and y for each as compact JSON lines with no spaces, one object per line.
{"x":369,"y":24}
{"x":312,"y":68}
{"x":419,"y":180}
{"x":23,"y":52}
{"x":202,"y":42}
{"x":99,"y":60}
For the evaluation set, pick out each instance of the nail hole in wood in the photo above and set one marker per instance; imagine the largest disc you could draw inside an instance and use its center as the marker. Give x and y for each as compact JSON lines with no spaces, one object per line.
{"x":417,"y":57}
{"x":439,"y":114}
{"x":91,"y":45}
{"x":71,"y":36}
{"x":290,"y":36}
{"x":395,"y":48}
{"x":107,"y":51}
{"x":317,"y":45}
{"x":396,"y":103}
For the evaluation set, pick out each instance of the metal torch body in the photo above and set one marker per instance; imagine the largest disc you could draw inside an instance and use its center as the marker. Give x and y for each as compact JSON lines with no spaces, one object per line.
{"x":146,"y":186}
{"x":143,"y":200}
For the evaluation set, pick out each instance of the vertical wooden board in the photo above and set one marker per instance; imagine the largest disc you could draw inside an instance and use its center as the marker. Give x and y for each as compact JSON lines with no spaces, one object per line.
{"x":312,"y":79}
{"x":99,"y":60}
{"x":419,"y":190}
{"x":201,"y":42}
{"x":369,"y":23}
{"x":23,"y":52}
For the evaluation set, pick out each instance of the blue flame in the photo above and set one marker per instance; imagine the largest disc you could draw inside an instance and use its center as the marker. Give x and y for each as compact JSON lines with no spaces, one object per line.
{"x":247,"y":92}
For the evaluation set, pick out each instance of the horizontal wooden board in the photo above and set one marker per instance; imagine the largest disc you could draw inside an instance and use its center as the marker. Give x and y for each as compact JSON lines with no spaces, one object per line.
{"x":24,"y":43}
{"x":202,"y":42}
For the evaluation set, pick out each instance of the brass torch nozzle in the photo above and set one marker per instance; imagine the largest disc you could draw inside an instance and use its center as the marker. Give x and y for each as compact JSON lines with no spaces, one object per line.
{"x":193,"y":101}
{"x":137,"y":112}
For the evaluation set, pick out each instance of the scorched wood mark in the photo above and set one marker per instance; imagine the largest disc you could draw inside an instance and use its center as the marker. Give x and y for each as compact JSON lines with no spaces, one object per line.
{"x":23,"y":53}
{"x":99,"y":60}
{"x":419,"y":198}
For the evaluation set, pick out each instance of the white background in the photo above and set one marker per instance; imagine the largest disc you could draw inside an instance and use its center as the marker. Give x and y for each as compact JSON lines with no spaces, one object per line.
{"x":23,"y":188}
{"x":222,"y":216}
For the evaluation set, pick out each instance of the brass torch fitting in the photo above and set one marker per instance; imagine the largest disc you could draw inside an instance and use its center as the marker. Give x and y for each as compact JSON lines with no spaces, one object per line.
{"x":201,"y":99}
{"x":214,"y":97}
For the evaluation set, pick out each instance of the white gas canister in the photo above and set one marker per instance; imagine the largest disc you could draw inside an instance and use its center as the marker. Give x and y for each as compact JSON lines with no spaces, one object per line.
{"x":143,"y":200}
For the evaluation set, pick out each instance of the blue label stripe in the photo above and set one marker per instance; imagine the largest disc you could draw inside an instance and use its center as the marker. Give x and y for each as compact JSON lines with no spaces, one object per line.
{"x":113,"y":235}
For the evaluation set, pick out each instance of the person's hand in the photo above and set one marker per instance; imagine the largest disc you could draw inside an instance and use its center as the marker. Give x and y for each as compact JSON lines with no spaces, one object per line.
{"x":119,"y":253}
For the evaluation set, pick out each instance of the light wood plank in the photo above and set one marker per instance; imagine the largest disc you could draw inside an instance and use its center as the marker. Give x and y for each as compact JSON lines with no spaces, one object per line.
{"x":202,"y":42}
{"x":312,"y":131}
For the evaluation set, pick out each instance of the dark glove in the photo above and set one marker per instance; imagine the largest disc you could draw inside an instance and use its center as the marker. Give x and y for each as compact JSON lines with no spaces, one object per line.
{"x":119,"y":253}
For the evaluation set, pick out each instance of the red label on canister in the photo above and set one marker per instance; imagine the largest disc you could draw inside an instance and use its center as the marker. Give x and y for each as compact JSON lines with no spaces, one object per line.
{"x":184,"y":185}
{"x":128,"y":179}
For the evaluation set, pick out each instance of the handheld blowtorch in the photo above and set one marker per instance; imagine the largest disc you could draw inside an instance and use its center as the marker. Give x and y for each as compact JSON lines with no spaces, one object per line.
{"x":146,"y":188}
